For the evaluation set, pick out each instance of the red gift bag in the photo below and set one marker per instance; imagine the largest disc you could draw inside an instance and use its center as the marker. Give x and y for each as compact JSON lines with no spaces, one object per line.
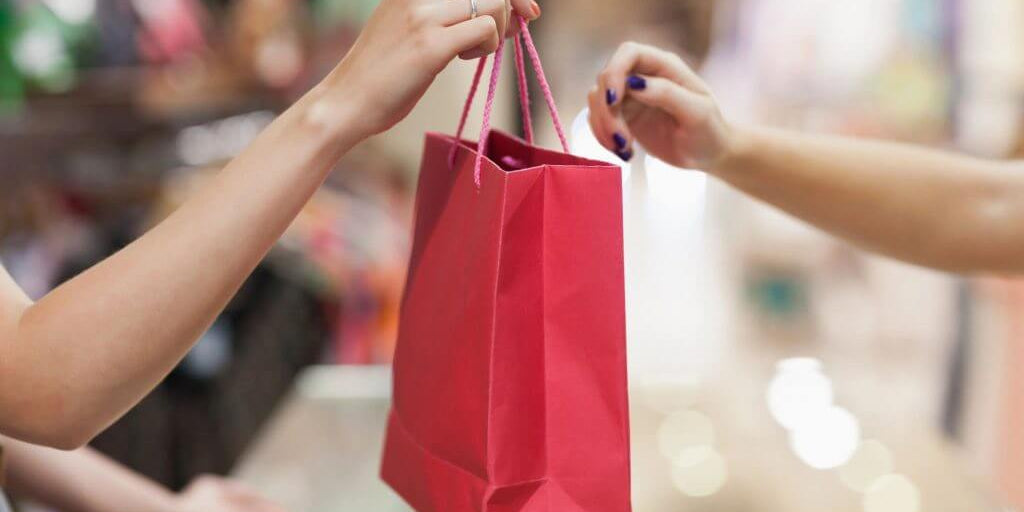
{"x":510,"y":369}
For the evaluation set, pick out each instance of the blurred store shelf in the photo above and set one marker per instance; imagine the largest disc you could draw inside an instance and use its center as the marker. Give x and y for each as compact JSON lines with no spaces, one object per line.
{"x":726,"y":452}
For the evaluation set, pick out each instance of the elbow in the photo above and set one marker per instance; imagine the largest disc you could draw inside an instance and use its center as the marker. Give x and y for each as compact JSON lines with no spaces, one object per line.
{"x":66,"y":438}
{"x":66,"y":427}
{"x":54,"y":423}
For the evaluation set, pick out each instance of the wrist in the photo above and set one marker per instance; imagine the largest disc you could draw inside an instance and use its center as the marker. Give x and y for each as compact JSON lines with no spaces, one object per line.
{"x":332,"y":119}
{"x":736,"y":148}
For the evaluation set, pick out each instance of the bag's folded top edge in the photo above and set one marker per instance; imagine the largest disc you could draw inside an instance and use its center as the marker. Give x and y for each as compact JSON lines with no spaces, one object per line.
{"x":470,"y":147}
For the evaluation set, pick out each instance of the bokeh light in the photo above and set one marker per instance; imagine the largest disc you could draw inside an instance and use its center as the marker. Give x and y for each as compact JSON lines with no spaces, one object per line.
{"x":892,"y":493}
{"x":699,"y":471}
{"x":827,"y":439}
{"x":799,"y":393}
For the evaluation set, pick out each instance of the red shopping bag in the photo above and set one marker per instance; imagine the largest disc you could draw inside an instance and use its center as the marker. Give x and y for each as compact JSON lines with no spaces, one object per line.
{"x":510,"y":369}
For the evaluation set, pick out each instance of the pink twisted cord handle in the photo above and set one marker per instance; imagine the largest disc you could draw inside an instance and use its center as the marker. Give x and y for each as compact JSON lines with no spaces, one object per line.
{"x":469,"y":101}
{"x":524,"y":96}
{"x":524,"y":91}
{"x":543,"y":81}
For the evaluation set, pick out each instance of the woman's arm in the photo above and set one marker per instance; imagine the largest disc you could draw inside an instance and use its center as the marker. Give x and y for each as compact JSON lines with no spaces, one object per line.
{"x":86,"y":481}
{"x":75,"y":361}
{"x":928,"y":207}
{"x":933,"y":208}
{"x":80,"y":481}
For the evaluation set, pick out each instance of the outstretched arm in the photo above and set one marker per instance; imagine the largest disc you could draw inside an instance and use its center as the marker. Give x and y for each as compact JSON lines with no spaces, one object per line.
{"x":933,"y":208}
{"x":75,"y":361}
{"x":928,"y":207}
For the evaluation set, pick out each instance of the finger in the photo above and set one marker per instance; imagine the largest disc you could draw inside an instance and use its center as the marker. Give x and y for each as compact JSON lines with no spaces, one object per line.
{"x":634,"y":58}
{"x":453,"y":12}
{"x":682,"y":104}
{"x":472,"y":39}
{"x":609,"y":129}
{"x":528,"y":9}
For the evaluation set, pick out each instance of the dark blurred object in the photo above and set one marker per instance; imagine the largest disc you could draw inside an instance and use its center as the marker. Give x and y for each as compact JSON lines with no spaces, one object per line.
{"x":116,"y":27}
{"x":198,"y":423}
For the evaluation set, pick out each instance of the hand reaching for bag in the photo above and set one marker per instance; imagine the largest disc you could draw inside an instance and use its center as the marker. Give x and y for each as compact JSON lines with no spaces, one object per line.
{"x":403,"y":47}
{"x":651,"y":96}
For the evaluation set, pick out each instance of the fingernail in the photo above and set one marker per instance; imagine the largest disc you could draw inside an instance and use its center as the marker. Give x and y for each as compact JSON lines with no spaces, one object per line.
{"x":626,"y":155}
{"x":611,"y":96}
{"x":620,"y":141}
{"x":637,"y":83}
{"x":535,"y":8}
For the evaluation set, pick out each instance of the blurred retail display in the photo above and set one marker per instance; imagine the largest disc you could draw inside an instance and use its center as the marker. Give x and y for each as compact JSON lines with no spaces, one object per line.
{"x":702,"y":445}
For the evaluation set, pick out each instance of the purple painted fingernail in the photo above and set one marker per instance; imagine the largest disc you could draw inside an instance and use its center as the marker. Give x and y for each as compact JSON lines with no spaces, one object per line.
{"x":611,"y":96}
{"x":620,"y":141}
{"x":637,"y":83}
{"x":626,"y":155}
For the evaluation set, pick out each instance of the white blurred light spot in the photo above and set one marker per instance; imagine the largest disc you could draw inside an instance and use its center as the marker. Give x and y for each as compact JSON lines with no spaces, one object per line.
{"x":683,"y":430}
{"x":666,"y":182}
{"x":38,"y":51}
{"x":826,"y":440}
{"x":871,"y":461}
{"x":676,"y":196}
{"x":799,"y":392}
{"x":699,"y":471}
{"x":73,"y":11}
{"x":584,"y":144}
{"x":892,"y":493}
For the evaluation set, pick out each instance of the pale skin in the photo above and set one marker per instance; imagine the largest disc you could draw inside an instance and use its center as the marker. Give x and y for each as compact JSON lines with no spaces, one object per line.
{"x":932,"y":208}
{"x":76,"y":360}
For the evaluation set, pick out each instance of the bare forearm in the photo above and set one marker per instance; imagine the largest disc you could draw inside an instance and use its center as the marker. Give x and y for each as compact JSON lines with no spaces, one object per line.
{"x":928,"y":207}
{"x":81,"y":481}
{"x":75,"y":361}
{"x":100,"y":342}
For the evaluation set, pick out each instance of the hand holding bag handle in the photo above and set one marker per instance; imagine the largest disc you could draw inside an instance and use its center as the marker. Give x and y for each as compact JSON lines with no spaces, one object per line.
{"x":522,"y":39}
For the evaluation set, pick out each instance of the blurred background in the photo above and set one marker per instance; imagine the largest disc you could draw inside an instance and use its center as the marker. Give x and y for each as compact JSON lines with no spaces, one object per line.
{"x":773,"y":368}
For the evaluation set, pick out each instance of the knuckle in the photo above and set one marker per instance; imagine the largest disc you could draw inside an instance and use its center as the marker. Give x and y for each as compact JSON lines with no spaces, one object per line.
{"x":491,"y":32}
{"x":674,"y":58}
{"x":634,"y":49}
{"x":630,"y":46}
{"x":418,"y":16}
{"x":490,"y":24}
